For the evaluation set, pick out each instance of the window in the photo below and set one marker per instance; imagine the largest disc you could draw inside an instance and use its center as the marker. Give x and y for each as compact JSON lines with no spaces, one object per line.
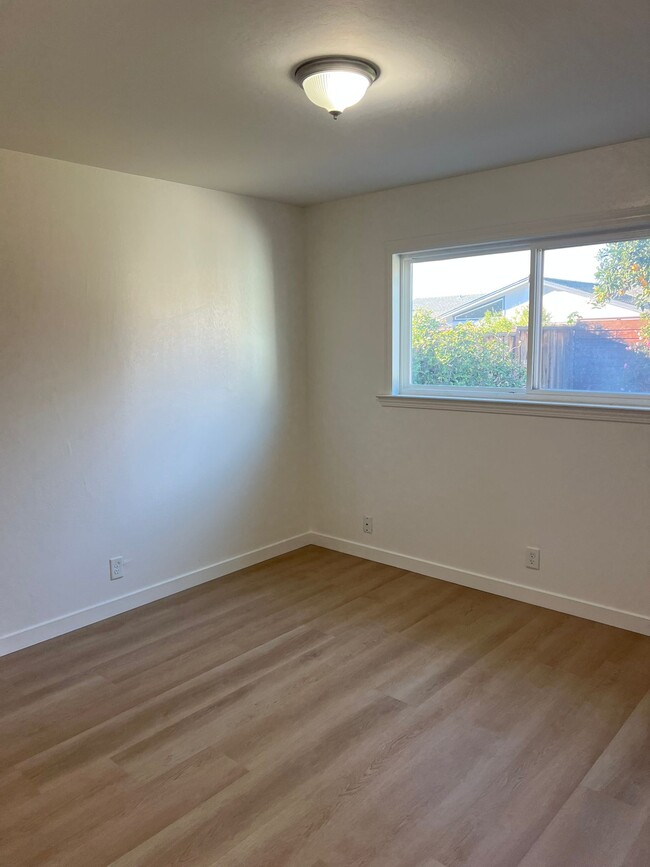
{"x":551,"y":321}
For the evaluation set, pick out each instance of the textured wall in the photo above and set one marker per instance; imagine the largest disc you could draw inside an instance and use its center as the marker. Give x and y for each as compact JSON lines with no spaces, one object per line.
{"x":471,"y":490}
{"x":152,"y":382}
{"x":153,"y":390}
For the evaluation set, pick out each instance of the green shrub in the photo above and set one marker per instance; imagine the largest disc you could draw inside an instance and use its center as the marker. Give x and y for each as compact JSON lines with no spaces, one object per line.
{"x":470,"y":354}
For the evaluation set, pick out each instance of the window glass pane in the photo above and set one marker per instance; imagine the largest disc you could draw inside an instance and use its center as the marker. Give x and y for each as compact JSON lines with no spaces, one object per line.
{"x":595,"y":325}
{"x":469,"y":321}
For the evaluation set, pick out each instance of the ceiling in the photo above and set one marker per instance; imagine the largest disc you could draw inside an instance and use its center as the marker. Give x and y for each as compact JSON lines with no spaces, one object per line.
{"x":201,"y":92}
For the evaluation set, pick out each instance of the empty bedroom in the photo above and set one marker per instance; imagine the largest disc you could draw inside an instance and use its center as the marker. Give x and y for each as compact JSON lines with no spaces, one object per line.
{"x":324,"y":433}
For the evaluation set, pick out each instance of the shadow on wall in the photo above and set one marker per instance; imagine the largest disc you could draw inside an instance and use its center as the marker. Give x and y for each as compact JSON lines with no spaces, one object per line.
{"x":151,"y":384}
{"x":206,"y":394}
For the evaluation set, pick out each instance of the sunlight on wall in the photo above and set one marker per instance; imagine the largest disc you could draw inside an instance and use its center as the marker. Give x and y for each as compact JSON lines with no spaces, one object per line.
{"x":152,"y":387}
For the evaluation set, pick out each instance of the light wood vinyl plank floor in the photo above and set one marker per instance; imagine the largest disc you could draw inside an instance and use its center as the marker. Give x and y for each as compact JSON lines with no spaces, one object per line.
{"x":320,"y":710}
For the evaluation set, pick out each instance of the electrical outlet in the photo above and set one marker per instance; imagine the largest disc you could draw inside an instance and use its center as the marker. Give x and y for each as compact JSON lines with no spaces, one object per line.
{"x":532,"y":558}
{"x":116,"y":567}
{"x":367,"y":524}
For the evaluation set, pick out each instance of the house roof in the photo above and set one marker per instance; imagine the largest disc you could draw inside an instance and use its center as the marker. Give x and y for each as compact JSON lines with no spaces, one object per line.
{"x":576,"y":287}
{"x":572,"y":284}
{"x":442,"y":305}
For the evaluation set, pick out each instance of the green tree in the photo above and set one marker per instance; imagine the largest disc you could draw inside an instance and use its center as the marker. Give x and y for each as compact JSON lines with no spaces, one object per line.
{"x":624,"y":269}
{"x":470,"y":353}
{"x":499,"y":323}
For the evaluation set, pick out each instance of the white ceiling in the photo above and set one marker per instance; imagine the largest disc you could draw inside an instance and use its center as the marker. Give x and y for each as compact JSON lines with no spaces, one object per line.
{"x":200,"y":92}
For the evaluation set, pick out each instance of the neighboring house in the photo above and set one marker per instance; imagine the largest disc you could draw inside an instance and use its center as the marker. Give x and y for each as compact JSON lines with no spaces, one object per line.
{"x":563,"y":300}
{"x":441,"y":306}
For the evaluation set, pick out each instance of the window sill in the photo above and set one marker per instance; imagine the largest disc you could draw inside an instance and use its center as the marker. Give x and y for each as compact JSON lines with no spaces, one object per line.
{"x":598,"y":412}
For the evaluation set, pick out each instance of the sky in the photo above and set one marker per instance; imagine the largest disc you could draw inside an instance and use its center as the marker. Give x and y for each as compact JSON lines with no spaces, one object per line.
{"x":481,"y":274}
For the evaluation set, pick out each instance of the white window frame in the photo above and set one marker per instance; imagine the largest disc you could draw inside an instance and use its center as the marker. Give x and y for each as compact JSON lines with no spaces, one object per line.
{"x":403,"y":391}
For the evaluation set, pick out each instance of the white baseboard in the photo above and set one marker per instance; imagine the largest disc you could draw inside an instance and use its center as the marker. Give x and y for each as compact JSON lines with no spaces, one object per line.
{"x":499,"y":586}
{"x":556,"y":601}
{"x":84,"y":617}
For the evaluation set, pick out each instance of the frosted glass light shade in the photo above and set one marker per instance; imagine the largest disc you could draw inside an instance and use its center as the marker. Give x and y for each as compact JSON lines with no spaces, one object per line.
{"x":336,"y":83}
{"x":336,"y":90}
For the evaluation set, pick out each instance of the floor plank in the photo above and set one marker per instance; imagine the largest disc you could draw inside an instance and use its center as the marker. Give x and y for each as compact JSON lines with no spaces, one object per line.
{"x":320,"y":710}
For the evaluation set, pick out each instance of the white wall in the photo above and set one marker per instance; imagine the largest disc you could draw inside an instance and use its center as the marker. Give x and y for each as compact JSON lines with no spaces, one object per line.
{"x":152,"y":382}
{"x":153,"y":399}
{"x":471,"y":490}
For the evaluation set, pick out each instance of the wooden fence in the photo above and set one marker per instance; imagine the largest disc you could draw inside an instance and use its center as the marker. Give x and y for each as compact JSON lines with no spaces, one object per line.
{"x":584,"y":358}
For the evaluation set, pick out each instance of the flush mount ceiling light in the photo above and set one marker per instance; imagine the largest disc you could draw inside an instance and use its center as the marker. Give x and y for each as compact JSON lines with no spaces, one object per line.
{"x":336,"y":83}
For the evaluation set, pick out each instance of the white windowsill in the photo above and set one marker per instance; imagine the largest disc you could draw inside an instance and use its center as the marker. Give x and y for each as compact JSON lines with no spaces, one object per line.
{"x":599,"y":412}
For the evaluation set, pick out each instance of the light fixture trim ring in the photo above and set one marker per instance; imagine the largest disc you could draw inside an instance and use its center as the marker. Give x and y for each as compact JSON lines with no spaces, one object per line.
{"x":335,"y":62}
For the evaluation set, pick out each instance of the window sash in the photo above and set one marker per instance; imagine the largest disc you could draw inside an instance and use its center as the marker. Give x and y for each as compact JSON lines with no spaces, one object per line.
{"x":403,"y":312}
